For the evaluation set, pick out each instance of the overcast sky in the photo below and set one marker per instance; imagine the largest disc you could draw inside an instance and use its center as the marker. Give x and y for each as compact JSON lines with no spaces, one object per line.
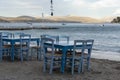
{"x":90,"y":8}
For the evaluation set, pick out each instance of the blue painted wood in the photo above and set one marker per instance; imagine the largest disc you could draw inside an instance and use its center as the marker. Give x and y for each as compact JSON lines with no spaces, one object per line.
{"x":1,"y":53}
{"x":56,"y":38}
{"x":87,"y":54}
{"x":7,"y":35}
{"x":14,"y":40}
{"x":64,"y":47}
{"x":4,"y":46}
{"x":24,"y":40}
{"x":78,"y":54}
{"x":49,"y":56}
{"x":17,"y":34}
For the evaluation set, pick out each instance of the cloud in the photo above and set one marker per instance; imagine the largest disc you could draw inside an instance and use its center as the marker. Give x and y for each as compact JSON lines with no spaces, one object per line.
{"x":61,"y":7}
{"x":32,"y":4}
{"x":117,"y":12}
{"x":105,"y":4}
{"x":79,"y":3}
{"x":95,"y":4}
{"x":67,"y":0}
{"x":26,"y":4}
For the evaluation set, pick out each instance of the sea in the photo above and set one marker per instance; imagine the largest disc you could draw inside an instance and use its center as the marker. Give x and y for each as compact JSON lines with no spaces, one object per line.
{"x":106,"y":35}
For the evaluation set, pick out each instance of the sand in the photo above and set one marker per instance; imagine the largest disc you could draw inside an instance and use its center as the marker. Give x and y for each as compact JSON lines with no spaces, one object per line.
{"x":32,"y":70}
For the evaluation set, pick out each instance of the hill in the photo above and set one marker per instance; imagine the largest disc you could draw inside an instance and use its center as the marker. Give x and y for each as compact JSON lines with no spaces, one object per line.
{"x":75,"y":19}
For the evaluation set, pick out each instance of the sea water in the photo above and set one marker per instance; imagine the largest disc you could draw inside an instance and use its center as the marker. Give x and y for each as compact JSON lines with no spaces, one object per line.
{"x":106,"y":36}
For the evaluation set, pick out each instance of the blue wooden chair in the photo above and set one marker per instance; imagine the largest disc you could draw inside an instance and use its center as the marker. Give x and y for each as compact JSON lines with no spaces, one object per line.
{"x":87,"y":53}
{"x":1,"y":47}
{"x":36,"y":50}
{"x":7,"y":35}
{"x":55,"y":38}
{"x":22,"y":50}
{"x":51,"y":58}
{"x":5,"y":49}
{"x":78,"y":56}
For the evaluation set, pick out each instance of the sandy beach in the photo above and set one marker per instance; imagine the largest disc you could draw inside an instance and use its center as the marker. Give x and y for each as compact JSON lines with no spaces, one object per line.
{"x":32,"y":70}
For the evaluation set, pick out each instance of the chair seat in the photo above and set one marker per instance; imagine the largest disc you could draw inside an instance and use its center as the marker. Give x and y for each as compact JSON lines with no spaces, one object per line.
{"x":18,"y":45}
{"x":78,"y":54}
{"x":7,"y":46}
{"x":35,"y":47}
{"x":56,"y":54}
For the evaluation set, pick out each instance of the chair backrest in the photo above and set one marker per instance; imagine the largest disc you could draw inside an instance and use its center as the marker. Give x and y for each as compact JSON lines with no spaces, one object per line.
{"x":0,"y":40}
{"x":25,"y":40}
{"x":1,"y":46}
{"x":81,"y":45}
{"x":17,"y":34}
{"x":78,"y":48}
{"x":56,"y":38}
{"x":44,"y":46}
{"x":7,"y":35}
{"x":64,"y":38}
{"x":88,"y":44}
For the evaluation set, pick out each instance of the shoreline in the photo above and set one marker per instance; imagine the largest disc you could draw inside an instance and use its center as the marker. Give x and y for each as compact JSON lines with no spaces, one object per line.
{"x":28,"y":28}
{"x":101,"y":69}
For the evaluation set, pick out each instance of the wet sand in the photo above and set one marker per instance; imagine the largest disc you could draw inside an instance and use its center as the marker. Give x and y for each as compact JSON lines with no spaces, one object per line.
{"x":32,"y":70}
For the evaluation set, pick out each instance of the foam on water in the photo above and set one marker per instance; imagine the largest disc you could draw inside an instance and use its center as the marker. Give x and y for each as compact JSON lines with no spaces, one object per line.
{"x":106,"y":55}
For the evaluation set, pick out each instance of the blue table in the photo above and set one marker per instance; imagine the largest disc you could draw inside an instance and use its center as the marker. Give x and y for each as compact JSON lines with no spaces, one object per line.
{"x":65,"y":46}
{"x":14,"y":40}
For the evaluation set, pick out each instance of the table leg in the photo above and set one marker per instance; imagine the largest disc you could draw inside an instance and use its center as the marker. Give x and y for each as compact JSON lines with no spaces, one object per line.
{"x":12,"y":51}
{"x":63,"y":59}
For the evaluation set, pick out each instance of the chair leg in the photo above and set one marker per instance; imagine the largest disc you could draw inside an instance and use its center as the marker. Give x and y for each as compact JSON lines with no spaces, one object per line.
{"x":88,"y":64}
{"x":39,"y":54}
{"x":31,"y":51}
{"x":0,"y":55}
{"x":72,"y":66}
{"x":51,"y":66}
{"x":79,"y":66}
{"x":82,"y":65}
{"x":21,"y":56}
{"x":27,"y":55}
{"x":44,"y":65}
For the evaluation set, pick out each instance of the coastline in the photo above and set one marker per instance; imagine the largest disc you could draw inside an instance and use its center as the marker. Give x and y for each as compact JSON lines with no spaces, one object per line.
{"x":101,"y":69}
{"x":28,"y":28}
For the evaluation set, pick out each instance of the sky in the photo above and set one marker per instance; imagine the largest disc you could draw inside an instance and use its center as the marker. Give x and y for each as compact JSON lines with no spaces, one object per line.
{"x":85,"y":8}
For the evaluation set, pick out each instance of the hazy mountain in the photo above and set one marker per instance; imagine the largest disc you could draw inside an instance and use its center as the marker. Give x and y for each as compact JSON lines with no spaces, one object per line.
{"x":73,"y":19}
{"x":56,"y":19}
{"x":2,"y":20}
{"x":26,"y":17}
{"x":108,"y":18}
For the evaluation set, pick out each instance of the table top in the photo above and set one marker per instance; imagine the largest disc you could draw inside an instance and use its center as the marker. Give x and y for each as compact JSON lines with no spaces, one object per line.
{"x":64,"y":43}
{"x":32,"y":38}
